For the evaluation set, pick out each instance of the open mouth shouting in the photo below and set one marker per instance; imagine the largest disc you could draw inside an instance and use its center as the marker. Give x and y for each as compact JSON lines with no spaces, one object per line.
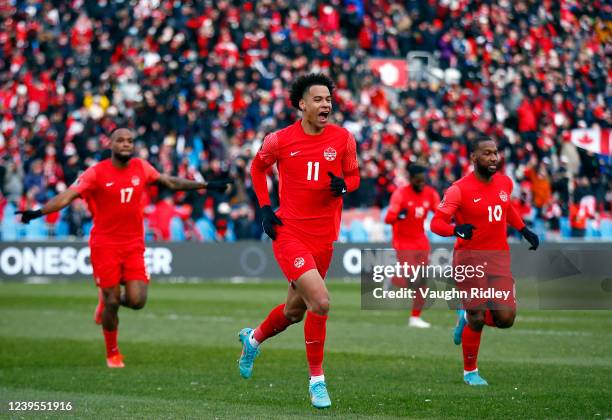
{"x":323,"y":116}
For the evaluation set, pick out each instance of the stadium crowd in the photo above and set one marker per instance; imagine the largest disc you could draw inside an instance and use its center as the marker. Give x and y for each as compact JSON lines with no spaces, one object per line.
{"x":202,"y":82}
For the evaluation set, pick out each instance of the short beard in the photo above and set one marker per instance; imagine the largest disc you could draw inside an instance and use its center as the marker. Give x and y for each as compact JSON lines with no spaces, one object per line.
{"x":123,"y":158}
{"x":484,"y":171}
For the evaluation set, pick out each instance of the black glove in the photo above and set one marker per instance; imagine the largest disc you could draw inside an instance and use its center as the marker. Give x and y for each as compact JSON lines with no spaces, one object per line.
{"x":464,"y":231}
{"x":220,"y":186}
{"x":28,"y":215}
{"x":531,"y":237}
{"x":402,"y":214}
{"x":338,"y":186}
{"x":269,"y":219}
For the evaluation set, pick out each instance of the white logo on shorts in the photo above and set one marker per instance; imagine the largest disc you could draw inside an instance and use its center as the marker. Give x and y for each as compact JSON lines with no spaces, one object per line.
{"x":299,"y":262}
{"x":135,"y":181}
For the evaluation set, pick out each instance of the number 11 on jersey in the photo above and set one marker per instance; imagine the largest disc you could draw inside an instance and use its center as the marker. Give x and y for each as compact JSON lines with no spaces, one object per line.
{"x":310,"y":176}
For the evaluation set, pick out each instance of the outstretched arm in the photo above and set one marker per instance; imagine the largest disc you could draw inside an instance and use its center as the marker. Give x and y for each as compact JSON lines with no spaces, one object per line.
{"x":55,"y":204}
{"x":175,"y":183}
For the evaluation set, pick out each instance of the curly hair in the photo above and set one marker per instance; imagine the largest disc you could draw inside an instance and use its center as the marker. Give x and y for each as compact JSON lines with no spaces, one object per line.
{"x":302,"y":83}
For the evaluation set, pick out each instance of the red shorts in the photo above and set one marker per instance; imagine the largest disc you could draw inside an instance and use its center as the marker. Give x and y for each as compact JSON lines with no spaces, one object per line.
{"x":492,"y":292}
{"x":491,"y":285}
{"x":115,"y":264}
{"x":295,"y":256}
{"x":412,"y":257}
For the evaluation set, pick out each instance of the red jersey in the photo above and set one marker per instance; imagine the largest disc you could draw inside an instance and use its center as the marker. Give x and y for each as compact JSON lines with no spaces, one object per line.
{"x":486,"y":206}
{"x":114,"y":197}
{"x":307,"y":205}
{"x":409,"y":233}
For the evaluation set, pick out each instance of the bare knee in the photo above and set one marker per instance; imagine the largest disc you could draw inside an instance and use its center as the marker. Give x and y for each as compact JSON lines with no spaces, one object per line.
{"x":111,"y":300}
{"x":476,"y":320}
{"x":137,"y":302}
{"x":320,"y":305}
{"x":294,"y":315}
{"x":504,"y":321}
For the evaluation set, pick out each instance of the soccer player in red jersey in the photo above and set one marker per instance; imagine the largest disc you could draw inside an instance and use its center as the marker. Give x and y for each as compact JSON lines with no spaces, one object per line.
{"x":481,"y":206}
{"x":317,"y":165}
{"x":113,"y":189}
{"x":407,"y":212}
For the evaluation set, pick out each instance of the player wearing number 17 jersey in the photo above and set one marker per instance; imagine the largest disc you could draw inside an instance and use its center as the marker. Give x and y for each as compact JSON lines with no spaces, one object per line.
{"x":113,"y":189}
{"x":407,"y":212}
{"x":317,"y":165}
{"x":481,"y":206}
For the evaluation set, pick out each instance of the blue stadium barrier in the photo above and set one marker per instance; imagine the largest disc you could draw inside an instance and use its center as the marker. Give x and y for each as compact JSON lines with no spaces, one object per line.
{"x":343,"y":236}
{"x":566,"y":230}
{"x":87,"y":229}
{"x":358,"y":232}
{"x":539,"y":228}
{"x":177,"y":232}
{"x":10,"y":224}
{"x":206,"y":228}
{"x":591,"y":230}
{"x":62,"y":229}
{"x":36,"y":230}
{"x":606,"y":228}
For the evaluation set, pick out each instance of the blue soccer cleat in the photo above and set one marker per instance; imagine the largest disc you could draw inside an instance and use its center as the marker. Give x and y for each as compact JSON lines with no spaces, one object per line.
{"x":319,"y":396}
{"x":248,"y":355}
{"x":474,"y":379}
{"x":460,"y":326}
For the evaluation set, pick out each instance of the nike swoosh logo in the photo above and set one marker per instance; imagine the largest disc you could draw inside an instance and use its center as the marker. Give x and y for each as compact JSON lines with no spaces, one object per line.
{"x":312,"y":342}
{"x":476,"y":200}
{"x":109,"y":184}
{"x":295,"y":153}
{"x":460,"y":234}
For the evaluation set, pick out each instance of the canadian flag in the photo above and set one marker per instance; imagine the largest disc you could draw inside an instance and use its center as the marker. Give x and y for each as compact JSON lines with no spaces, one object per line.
{"x":593,"y":139}
{"x":392,"y":71}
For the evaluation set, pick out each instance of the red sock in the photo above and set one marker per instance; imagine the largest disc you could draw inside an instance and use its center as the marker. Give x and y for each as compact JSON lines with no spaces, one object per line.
{"x":419,"y":302}
{"x":110,"y":338}
{"x":314,"y":337}
{"x":275,"y":323}
{"x":489,"y":319}
{"x":470,"y":341}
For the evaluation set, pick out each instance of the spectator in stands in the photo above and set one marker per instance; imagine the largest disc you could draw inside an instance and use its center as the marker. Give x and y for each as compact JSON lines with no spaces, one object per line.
{"x":202,"y":86}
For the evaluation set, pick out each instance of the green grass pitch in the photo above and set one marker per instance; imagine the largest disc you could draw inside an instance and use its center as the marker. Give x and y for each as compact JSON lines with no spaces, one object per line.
{"x":181,"y":353}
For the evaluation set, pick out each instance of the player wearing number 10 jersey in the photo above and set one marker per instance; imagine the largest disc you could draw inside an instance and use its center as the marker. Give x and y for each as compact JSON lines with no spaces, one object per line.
{"x":481,"y":206}
{"x":113,"y":189}
{"x":317,"y":164}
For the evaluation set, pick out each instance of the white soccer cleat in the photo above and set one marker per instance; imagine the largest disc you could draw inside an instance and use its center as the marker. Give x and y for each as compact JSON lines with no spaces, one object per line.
{"x":418,"y":322}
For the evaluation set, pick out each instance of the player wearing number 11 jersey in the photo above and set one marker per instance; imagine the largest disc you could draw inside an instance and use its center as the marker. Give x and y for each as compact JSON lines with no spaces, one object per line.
{"x":481,"y":206}
{"x":317,"y":165}
{"x":113,"y":189}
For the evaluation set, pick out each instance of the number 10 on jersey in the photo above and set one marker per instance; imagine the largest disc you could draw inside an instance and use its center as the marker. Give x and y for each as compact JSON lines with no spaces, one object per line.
{"x":495,"y":213}
{"x":313,"y":176}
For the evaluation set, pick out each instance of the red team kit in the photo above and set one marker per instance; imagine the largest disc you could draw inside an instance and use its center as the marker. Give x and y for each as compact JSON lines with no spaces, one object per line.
{"x":317,"y":164}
